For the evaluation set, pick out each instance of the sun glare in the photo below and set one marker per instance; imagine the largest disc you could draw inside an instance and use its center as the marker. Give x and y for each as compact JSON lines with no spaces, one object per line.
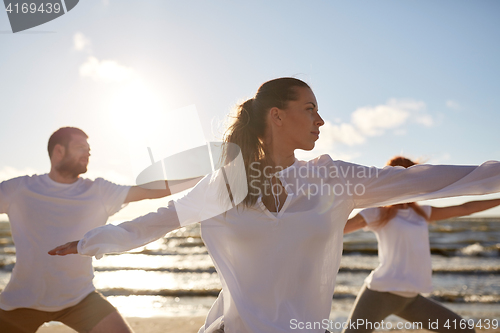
{"x":150,"y":128}
{"x":135,"y":110}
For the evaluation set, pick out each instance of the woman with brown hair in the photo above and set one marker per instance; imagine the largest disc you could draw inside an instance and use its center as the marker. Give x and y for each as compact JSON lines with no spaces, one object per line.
{"x":405,"y":270}
{"x":277,"y":241}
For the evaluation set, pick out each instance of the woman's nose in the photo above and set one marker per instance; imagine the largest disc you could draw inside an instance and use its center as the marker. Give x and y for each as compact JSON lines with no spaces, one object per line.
{"x":320,"y":121}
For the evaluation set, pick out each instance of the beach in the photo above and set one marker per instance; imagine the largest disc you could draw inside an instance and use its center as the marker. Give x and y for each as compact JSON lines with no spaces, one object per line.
{"x":175,"y":324}
{"x":170,"y":285}
{"x":143,"y":325}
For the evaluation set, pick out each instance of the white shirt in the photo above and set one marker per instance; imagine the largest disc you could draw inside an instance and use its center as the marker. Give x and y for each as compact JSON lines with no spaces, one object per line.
{"x":44,"y":214}
{"x":403,"y":250}
{"x":280,"y":270}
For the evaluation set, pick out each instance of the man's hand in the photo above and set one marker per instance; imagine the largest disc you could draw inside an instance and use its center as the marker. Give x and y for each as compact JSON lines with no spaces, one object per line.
{"x":62,"y":250}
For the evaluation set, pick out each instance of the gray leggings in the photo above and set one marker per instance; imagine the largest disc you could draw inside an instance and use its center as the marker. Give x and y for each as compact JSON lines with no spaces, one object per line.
{"x":374,"y":306}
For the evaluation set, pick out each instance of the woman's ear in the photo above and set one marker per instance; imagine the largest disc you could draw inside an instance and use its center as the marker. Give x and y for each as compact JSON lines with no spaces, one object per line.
{"x":276,"y":116}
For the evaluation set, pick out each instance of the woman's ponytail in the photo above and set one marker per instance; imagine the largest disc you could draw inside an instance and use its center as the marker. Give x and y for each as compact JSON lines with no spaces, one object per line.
{"x":249,"y":127}
{"x":245,"y":132}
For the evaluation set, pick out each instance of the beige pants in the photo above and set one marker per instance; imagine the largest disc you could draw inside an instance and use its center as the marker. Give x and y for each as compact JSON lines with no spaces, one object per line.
{"x":82,"y":317}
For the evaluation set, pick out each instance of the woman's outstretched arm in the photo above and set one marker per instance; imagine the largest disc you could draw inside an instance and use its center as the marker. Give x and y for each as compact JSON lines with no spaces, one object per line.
{"x":355,"y":223}
{"x":68,"y":248}
{"x":204,"y":201}
{"x":372,"y":187}
{"x":442,"y":213}
{"x":125,"y":236}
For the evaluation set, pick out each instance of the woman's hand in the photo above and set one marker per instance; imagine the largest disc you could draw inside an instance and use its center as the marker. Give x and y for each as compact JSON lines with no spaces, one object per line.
{"x":355,"y":223}
{"x":62,"y":250}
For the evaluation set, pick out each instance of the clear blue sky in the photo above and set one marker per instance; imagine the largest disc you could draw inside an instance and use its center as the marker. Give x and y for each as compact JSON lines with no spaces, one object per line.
{"x":415,"y":77}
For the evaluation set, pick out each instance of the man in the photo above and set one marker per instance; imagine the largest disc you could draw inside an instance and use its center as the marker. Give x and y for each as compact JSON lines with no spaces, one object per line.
{"x":44,"y":211}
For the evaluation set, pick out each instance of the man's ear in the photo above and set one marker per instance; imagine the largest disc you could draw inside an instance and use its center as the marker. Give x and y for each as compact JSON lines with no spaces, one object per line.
{"x":58,"y":152}
{"x":276,"y":115}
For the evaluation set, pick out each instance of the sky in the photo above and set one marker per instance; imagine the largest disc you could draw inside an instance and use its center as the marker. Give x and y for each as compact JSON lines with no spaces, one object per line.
{"x":419,"y":78}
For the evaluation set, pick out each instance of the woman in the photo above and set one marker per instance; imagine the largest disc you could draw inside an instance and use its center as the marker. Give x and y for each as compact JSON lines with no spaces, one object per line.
{"x":405,"y":270}
{"x":277,"y":248}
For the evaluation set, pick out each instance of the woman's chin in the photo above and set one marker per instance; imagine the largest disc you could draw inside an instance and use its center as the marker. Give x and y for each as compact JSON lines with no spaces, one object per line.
{"x":307,"y":148}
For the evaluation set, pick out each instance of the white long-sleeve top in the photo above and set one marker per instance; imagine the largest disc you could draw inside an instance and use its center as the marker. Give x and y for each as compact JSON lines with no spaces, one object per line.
{"x":278,"y":271}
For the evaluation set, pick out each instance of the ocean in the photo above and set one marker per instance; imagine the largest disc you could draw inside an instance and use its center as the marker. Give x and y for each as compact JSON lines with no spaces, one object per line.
{"x":174,"y":276}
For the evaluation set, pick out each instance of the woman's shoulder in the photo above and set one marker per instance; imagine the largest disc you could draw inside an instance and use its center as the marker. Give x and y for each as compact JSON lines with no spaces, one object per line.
{"x":322,"y":160}
{"x":324,"y":166}
{"x":320,"y":166}
{"x":327,"y":160}
{"x":337,"y":168}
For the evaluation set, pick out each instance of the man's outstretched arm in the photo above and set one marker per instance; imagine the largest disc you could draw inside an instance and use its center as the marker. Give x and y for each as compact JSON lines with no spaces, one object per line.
{"x":159,"y":189}
{"x":138,"y":193}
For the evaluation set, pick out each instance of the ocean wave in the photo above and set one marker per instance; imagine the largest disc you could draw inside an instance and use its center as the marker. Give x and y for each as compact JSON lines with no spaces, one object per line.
{"x":339,"y":294}
{"x":478,"y":250}
{"x":198,"y":261}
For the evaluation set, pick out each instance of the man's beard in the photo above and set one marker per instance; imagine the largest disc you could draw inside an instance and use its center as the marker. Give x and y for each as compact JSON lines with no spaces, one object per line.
{"x":72,"y":168}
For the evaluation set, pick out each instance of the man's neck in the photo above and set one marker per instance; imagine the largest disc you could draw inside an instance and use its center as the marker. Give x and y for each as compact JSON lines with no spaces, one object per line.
{"x":61,"y":178}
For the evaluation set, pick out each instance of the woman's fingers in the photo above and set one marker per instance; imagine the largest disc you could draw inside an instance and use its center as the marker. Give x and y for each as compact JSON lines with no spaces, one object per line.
{"x":62,"y":250}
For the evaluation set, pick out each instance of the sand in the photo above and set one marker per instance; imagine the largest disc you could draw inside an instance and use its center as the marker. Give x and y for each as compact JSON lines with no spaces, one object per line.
{"x":143,"y":325}
{"x":178,"y":325}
